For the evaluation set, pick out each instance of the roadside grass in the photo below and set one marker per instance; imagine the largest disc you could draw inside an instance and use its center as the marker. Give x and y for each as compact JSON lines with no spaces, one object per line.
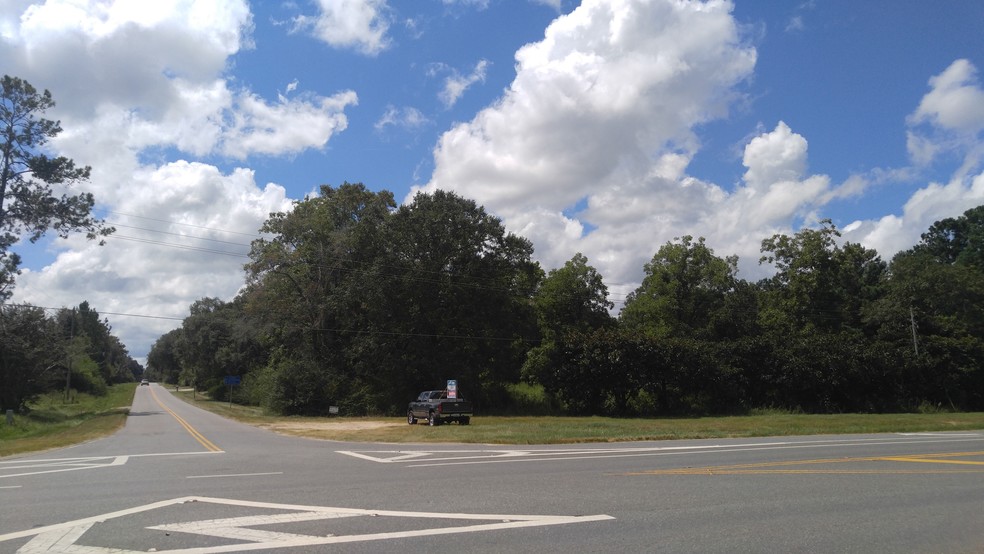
{"x":55,"y":423}
{"x":571,"y":430}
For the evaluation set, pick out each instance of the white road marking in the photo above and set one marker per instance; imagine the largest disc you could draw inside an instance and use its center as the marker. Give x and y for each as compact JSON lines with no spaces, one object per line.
{"x":71,"y":464}
{"x":58,"y":465}
{"x":63,"y":538}
{"x":233,"y":475}
{"x":432,"y":458}
{"x":927,"y":434}
{"x":511,"y":455}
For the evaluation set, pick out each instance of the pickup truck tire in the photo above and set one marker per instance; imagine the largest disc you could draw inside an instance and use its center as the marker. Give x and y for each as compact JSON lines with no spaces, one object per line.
{"x":410,"y":418}
{"x":464,"y":421}
{"x":432,"y":419}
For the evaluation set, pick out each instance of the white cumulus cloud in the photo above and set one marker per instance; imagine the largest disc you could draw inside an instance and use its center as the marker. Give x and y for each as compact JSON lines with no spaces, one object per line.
{"x":587,"y":148}
{"x":359,"y":24}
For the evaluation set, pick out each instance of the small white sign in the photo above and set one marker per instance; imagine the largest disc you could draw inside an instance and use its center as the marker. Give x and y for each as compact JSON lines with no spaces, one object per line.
{"x":452,"y":388}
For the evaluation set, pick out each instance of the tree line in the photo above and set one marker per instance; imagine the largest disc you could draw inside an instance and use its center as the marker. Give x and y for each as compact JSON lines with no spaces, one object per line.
{"x":72,"y":350}
{"x":355,"y":302}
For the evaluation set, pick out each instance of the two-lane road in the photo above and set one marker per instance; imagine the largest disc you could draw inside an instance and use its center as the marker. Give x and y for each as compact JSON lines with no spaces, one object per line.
{"x":178,"y":479}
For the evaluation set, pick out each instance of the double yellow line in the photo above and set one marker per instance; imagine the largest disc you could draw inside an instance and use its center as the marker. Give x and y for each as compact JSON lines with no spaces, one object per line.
{"x":209,"y":445}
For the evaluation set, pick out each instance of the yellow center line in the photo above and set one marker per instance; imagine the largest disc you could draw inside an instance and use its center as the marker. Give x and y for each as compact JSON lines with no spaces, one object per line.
{"x":209,"y":445}
{"x":784,"y":468}
{"x":935,"y":461}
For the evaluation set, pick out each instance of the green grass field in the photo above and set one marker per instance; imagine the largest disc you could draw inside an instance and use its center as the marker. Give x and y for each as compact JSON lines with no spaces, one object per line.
{"x":568,"y":430}
{"x":55,"y":423}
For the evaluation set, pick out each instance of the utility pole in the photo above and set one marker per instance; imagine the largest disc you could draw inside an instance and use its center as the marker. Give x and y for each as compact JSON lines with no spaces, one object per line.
{"x":71,"y":342}
{"x":912,"y":321}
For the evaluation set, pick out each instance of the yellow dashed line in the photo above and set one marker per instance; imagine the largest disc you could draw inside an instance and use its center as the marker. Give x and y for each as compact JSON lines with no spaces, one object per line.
{"x":209,"y":445}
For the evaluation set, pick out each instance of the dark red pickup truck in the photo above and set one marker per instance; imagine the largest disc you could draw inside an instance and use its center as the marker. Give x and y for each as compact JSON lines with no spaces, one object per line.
{"x":436,"y":408}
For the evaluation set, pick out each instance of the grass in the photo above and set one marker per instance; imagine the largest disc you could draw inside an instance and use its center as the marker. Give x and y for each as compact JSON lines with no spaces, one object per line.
{"x":55,"y":423}
{"x":570,"y":430}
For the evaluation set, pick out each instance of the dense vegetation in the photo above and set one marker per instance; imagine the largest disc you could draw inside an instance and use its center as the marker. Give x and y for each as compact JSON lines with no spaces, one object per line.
{"x":354,"y":302}
{"x":71,"y":352}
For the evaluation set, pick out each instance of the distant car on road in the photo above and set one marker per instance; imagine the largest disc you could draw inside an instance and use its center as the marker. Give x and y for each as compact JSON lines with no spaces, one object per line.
{"x":144,"y":382}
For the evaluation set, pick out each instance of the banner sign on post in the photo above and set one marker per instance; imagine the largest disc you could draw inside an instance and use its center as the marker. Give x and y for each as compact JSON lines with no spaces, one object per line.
{"x":452,"y":388}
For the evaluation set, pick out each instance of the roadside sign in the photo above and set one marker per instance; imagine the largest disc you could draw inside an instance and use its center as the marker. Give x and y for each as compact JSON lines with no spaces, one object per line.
{"x":233,"y":380}
{"x":452,"y":388}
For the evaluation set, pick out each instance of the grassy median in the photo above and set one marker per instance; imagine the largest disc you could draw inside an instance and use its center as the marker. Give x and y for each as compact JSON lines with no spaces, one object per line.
{"x":54,"y":422}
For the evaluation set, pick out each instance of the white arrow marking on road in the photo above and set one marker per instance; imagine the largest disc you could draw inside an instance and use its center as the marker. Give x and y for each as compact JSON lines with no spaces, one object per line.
{"x":76,"y":464}
{"x":69,"y":464}
{"x":62,"y":538}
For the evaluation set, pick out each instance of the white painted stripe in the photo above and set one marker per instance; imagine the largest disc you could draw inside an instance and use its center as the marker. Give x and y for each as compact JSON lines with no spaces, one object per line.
{"x":95,"y":458}
{"x":940,"y":434}
{"x":698,"y":450}
{"x":117,"y":461}
{"x":61,"y":538}
{"x":303,"y":540}
{"x":96,"y":519}
{"x":233,"y":475}
{"x":12,"y":487}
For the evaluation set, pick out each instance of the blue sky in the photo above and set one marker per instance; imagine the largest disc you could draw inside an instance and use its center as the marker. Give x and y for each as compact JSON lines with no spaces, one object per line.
{"x":606,"y":127}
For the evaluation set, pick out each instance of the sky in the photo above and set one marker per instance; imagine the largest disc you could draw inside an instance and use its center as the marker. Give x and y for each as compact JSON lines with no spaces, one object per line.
{"x":605,"y":127}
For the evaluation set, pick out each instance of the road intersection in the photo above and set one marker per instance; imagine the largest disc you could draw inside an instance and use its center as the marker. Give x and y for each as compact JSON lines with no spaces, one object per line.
{"x":180,"y":480}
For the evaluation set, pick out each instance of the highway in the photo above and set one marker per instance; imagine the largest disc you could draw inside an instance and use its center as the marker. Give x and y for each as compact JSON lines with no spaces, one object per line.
{"x":178,"y":479}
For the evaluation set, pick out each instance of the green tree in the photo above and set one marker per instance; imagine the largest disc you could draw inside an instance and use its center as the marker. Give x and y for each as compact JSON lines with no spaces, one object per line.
{"x":102,"y":347}
{"x":162,"y":360}
{"x":216,"y":341}
{"x":684,"y":288}
{"x":453,"y":300}
{"x":31,"y":356}
{"x":31,"y":181}
{"x":310,"y":288}
{"x":812,"y":315}
{"x":571,"y":299}
{"x":957,"y":240}
{"x":819,"y":285}
{"x":931,"y":317}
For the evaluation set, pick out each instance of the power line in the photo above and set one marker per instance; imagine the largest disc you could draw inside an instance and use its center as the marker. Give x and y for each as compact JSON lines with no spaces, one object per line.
{"x":123,"y":314}
{"x":179,"y":246}
{"x":172,"y":222}
{"x":178,"y":235}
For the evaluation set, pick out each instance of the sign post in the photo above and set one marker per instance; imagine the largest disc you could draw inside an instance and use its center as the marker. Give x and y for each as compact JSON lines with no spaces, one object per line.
{"x":231,"y":381}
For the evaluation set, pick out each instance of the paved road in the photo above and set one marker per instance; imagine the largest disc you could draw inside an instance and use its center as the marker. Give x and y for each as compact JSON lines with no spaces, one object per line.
{"x":177,"y":479}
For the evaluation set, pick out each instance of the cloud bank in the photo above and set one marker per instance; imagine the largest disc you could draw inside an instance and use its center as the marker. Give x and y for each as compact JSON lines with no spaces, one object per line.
{"x":588,"y":150}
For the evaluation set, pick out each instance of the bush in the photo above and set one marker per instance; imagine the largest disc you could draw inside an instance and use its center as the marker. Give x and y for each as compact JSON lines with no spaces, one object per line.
{"x":86,"y":378}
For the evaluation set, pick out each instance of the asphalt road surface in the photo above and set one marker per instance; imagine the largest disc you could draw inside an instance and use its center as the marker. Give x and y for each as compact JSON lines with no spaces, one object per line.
{"x":180,"y":480}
